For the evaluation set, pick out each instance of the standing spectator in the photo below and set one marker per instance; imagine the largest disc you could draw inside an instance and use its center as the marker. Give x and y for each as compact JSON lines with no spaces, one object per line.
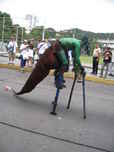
{"x":12,"y":49}
{"x":30,"y":54}
{"x":96,"y":56}
{"x":24,"y":54}
{"x":111,"y":65}
{"x":106,"y":60}
{"x":36,"y":57}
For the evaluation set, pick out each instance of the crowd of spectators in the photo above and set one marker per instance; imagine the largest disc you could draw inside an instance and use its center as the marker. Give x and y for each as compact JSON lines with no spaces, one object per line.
{"x":26,"y":52}
{"x":29,"y":55}
{"x":107,"y":56}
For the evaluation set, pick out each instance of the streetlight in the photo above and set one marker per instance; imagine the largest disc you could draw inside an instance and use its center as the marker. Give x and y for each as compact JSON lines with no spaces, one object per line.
{"x":22,"y":35}
{"x":43,"y":34}
{"x":17,"y":34}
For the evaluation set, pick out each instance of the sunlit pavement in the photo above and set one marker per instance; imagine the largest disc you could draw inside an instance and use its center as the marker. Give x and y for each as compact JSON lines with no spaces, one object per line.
{"x":26,"y":124}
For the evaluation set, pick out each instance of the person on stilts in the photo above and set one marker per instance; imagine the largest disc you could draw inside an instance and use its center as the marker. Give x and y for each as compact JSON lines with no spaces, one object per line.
{"x":62,"y":46}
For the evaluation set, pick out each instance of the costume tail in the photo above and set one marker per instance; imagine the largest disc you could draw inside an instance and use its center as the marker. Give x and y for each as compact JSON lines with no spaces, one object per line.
{"x":45,"y":63}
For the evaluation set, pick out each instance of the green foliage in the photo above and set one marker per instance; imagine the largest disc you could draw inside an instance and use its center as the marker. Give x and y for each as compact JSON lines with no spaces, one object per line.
{"x":85,"y":59}
{"x":9,"y":29}
{"x":85,"y":44}
{"x":88,"y":38}
{"x":5,"y":20}
{"x":36,"y":33}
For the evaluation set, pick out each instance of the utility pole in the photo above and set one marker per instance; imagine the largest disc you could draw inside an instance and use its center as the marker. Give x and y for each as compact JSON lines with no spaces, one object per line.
{"x":43,"y":33}
{"x":3,"y":26}
{"x":22,"y":35}
{"x":17,"y":34}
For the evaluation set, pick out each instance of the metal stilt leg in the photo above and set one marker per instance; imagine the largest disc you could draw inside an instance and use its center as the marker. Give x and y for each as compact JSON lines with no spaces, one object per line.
{"x":69,"y":101}
{"x":55,"y":102}
{"x":58,"y":83}
{"x":84,"y":102}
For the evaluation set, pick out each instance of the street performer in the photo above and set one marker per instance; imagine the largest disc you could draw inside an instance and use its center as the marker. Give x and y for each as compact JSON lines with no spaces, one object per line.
{"x":62,"y":46}
{"x":55,"y":57}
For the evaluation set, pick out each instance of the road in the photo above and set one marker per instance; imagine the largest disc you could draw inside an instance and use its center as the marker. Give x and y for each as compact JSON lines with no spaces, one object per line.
{"x":26,"y":124}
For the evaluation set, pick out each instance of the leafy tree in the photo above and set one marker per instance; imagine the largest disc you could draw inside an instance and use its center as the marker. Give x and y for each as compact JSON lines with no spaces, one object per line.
{"x":85,"y":44}
{"x":6,"y":23}
{"x":50,"y":33}
{"x":36,"y":33}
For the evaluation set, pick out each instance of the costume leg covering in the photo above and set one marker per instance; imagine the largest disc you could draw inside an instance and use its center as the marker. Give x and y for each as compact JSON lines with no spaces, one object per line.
{"x":45,"y":63}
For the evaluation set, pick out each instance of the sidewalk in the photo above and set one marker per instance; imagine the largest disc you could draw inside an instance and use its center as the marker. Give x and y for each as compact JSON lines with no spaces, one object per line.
{"x":89,"y":77}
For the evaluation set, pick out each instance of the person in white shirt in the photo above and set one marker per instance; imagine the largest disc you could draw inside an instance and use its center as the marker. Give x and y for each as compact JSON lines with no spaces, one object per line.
{"x":96,"y":56}
{"x":12,"y":49}
{"x":30,"y":54}
{"x":24,"y":54}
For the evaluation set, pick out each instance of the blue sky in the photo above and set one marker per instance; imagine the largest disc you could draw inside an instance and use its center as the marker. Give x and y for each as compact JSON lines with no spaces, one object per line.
{"x":89,"y":15}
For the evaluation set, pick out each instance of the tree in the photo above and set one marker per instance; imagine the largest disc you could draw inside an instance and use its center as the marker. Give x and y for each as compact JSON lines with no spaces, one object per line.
{"x":85,"y":44}
{"x":5,"y":26}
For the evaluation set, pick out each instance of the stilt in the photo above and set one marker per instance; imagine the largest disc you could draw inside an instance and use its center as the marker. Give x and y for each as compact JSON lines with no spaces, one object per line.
{"x":69,"y":101}
{"x":55,"y":102}
{"x":84,"y":102}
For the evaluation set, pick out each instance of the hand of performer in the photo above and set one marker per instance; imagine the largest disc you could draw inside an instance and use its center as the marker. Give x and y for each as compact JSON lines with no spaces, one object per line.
{"x":83,"y":72}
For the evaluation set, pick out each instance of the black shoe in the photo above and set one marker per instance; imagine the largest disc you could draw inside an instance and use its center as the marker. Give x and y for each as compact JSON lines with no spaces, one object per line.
{"x":64,"y":81}
{"x":60,"y":85}
{"x":110,"y":74}
{"x":92,"y":73}
{"x":79,"y":81}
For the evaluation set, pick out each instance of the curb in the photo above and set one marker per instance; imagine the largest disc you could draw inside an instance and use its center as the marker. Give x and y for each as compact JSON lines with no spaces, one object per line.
{"x":67,"y":74}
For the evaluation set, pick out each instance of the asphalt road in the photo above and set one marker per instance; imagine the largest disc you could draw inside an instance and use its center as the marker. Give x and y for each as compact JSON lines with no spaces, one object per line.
{"x":27,"y":126}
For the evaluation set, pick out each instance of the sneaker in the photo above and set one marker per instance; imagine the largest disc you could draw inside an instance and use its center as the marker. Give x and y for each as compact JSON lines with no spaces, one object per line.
{"x":64,"y":81}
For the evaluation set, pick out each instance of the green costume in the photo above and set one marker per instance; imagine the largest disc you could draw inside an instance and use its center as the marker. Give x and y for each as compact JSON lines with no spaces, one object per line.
{"x":70,"y":44}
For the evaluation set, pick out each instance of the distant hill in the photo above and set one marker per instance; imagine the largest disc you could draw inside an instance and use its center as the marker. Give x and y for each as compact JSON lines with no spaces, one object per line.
{"x":78,"y":33}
